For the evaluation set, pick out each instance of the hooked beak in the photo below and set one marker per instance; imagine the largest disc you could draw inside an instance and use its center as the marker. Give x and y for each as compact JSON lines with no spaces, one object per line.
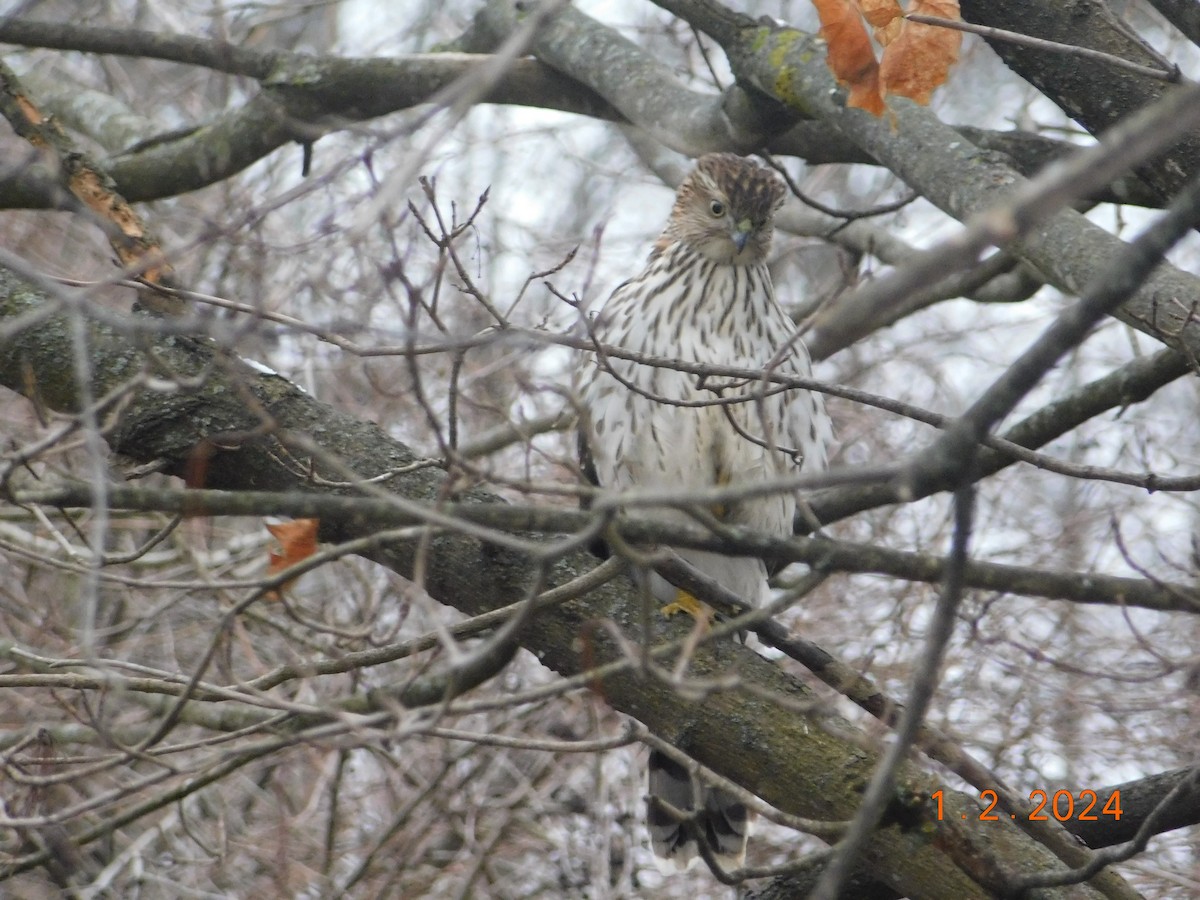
{"x":741,"y":234}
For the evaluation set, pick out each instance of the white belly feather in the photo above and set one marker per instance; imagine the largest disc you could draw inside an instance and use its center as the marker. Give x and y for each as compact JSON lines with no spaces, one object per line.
{"x":639,"y":439}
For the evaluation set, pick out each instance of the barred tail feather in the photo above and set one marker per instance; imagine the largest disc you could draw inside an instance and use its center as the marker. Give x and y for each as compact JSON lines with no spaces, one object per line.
{"x":718,"y":818}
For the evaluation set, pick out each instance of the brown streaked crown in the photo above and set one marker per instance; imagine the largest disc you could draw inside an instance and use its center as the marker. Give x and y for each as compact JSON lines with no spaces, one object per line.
{"x":726,"y":198}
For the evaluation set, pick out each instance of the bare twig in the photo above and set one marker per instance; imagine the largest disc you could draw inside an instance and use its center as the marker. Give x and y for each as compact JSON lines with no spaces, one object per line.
{"x":952,"y":454}
{"x":924,"y":683}
{"x":1172,"y":75}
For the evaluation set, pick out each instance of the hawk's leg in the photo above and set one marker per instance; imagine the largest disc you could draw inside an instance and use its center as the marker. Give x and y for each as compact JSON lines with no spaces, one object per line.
{"x":685,"y":602}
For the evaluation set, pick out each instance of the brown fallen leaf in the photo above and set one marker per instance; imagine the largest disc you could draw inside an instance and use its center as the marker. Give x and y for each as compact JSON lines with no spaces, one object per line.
{"x":297,"y":542}
{"x":885,"y":17}
{"x":879,"y":12}
{"x":918,"y":60}
{"x":850,"y":56}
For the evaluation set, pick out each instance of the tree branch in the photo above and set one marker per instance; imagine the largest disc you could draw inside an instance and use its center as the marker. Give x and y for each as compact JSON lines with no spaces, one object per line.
{"x":790,"y":66}
{"x":504,"y":519}
{"x":782,"y":758}
{"x":1093,"y":93}
{"x":306,"y":96}
{"x":954,"y":450}
{"x":303,"y":99}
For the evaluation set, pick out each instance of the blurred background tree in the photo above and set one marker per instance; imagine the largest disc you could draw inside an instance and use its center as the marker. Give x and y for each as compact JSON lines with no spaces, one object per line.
{"x":413,"y":236}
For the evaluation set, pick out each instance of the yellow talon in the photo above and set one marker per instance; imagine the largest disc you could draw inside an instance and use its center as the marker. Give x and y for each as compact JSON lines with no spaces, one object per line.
{"x":685,"y":602}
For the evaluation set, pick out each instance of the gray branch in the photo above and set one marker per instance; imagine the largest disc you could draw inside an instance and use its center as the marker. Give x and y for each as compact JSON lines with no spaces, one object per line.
{"x":244,"y":420}
{"x":304,"y":97}
{"x":1066,"y":248}
{"x":1095,"y":94}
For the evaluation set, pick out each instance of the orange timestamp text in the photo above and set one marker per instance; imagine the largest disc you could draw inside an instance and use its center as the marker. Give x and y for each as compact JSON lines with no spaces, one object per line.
{"x":1062,"y":805}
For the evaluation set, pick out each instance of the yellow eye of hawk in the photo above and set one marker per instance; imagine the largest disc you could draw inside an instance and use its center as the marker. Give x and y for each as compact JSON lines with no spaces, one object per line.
{"x":717,"y":208}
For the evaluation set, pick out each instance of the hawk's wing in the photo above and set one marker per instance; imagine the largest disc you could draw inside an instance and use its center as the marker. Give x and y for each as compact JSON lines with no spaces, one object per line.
{"x":587,"y":465}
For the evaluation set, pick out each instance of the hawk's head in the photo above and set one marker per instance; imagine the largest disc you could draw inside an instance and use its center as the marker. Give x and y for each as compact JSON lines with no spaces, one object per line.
{"x":725,"y":209}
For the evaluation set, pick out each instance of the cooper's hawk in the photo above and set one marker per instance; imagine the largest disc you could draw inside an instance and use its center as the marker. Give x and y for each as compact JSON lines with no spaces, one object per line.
{"x":705,"y":296}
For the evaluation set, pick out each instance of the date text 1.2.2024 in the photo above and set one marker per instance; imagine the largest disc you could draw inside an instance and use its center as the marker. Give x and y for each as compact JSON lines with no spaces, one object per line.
{"x":1062,"y":805}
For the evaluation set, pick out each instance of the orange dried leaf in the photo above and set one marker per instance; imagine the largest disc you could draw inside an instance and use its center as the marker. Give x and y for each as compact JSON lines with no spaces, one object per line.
{"x":943,"y":9}
{"x":885,"y":34}
{"x":297,"y":542}
{"x":850,"y":57}
{"x":885,"y":17}
{"x":196,"y":469}
{"x":918,"y":61}
{"x":867,"y":94}
{"x":880,"y":13}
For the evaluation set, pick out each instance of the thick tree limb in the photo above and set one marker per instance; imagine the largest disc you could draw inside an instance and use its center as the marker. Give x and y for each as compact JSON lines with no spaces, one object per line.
{"x":305,"y":96}
{"x":503,"y":519}
{"x":1183,"y":14}
{"x":1139,"y":799}
{"x":955,"y":448}
{"x":1131,"y":383}
{"x":1093,"y":93}
{"x":789,"y":65}
{"x":779,"y":755}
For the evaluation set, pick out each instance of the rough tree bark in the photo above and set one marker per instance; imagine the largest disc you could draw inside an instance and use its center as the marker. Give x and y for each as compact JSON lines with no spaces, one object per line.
{"x":241,"y":424}
{"x":790,"y":760}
